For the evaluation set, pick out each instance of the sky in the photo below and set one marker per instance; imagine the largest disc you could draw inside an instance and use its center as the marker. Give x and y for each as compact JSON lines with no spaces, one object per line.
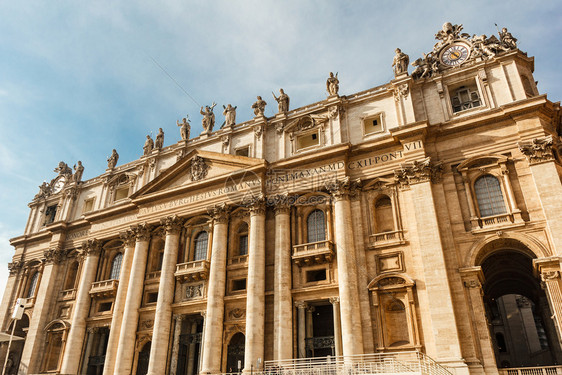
{"x":78,"y":79}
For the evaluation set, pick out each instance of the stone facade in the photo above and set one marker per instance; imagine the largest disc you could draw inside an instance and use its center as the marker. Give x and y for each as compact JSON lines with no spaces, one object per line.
{"x":393,"y":219}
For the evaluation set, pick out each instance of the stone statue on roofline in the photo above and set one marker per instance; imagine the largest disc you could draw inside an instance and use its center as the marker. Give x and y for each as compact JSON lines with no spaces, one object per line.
{"x":78,"y":171}
{"x":112,"y":160}
{"x":259,"y":106}
{"x":148,"y":145}
{"x":185,"y":128}
{"x":333,"y":84}
{"x":159,"y":139}
{"x":282,"y":101}
{"x":208,"y":120}
{"x":400,"y":63}
{"x":229,"y":115}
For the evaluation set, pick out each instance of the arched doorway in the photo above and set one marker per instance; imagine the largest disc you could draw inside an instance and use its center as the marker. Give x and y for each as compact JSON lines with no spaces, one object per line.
{"x":144,"y":356}
{"x":521,"y":330}
{"x":235,"y":353}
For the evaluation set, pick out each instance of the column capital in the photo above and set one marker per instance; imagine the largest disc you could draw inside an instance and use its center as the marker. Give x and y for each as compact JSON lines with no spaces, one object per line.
{"x":15,"y":266}
{"x":280,"y":203}
{"x":172,"y":224}
{"x":417,"y":172}
{"x":335,"y":300}
{"x":255,"y":204}
{"x":54,"y":256}
{"x":219,"y":213}
{"x":141,"y":231}
{"x":179,"y":318}
{"x":128,"y":237}
{"x":344,"y":188}
{"x":91,"y":247}
{"x":301,"y":304}
{"x":538,"y":150}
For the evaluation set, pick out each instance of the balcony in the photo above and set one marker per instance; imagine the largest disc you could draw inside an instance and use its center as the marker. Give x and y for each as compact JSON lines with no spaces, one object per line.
{"x":192,"y":271}
{"x":67,"y":295}
{"x":238,"y":261}
{"x":386,"y":239}
{"x":313,"y":253}
{"x":545,"y":370}
{"x":106,"y":288}
{"x":152,"y":277}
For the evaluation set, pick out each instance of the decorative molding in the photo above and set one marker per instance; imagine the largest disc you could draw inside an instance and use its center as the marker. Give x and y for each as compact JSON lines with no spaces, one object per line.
{"x":142,"y":231}
{"x":199,"y":168}
{"x":172,"y":224}
{"x":91,"y":247}
{"x":128,"y":237}
{"x":550,"y":275}
{"x":193,"y":291}
{"x":237,"y":313}
{"x":219,"y":213}
{"x":539,"y":150}
{"x":401,"y":92}
{"x":472,"y":284}
{"x":15,"y":266}
{"x":255,"y":204}
{"x":54,"y":256}
{"x":417,"y":172}
{"x":258,"y":130}
{"x":342,"y":189}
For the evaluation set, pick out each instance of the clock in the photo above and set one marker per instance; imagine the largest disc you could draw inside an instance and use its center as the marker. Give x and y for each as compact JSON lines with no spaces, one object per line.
{"x":455,"y":54}
{"x":59,"y":184}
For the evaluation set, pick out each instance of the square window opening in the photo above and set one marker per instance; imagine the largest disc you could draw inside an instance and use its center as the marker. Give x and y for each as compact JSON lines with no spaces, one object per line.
{"x":244,"y":151}
{"x":372,"y":124}
{"x":239,"y":284}
{"x":316,"y":275}
{"x":308,"y":140}
{"x":465,"y":96}
{"x":121,"y":193}
{"x":152,"y":297}
{"x":88,"y":205}
{"x":105,"y":306}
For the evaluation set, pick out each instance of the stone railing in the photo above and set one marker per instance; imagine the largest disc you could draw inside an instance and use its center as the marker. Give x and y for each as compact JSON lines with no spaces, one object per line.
{"x":240,"y":260}
{"x":67,"y":295}
{"x":153,"y":276}
{"x":192,"y":271}
{"x":386,"y":238}
{"x":502,"y":219}
{"x":313,"y":252}
{"x":105,"y":288}
{"x":544,"y":370}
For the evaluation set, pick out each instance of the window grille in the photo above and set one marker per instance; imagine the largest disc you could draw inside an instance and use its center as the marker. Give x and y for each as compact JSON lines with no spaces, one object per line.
{"x":489,"y":196}
{"x":201,"y":244}
{"x":465,"y":98}
{"x":33,"y":285}
{"x":316,"y":226}
{"x":243,"y":245}
{"x":116,"y":267}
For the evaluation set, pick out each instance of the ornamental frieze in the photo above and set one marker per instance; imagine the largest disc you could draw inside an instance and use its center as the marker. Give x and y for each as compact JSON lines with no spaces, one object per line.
{"x":539,"y":150}
{"x":417,"y":172}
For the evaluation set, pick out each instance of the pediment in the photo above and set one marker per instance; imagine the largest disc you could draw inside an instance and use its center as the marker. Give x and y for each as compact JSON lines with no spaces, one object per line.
{"x":305,"y":123}
{"x":196,"y":167}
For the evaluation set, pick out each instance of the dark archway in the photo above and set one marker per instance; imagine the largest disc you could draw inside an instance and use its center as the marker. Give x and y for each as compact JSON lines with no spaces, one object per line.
{"x":144,"y":356}
{"x":517,"y":308}
{"x":16,"y":348}
{"x":235,"y":353}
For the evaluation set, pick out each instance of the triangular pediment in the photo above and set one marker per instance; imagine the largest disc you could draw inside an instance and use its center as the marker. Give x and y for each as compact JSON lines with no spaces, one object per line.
{"x":196,"y":168}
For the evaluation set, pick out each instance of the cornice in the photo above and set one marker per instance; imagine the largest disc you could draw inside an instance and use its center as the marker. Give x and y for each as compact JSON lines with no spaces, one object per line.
{"x":120,"y":209}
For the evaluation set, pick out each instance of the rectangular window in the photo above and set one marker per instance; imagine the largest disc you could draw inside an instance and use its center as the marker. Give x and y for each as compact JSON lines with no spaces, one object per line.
{"x":316,"y":275}
{"x":372,"y":124}
{"x":50,"y":214}
{"x":239,"y":284}
{"x":88,"y":205}
{"x":121,"y":193}
{"x":104,"y":306}
{"x":465,"y":97}
{"x":243,"y":151}
{"x":243,"y":245}
{"x":308,"y":140}
{"x":152,"y":297}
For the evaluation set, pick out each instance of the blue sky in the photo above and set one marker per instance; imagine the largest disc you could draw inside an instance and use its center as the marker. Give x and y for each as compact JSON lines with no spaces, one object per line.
{"x":80,"y":78}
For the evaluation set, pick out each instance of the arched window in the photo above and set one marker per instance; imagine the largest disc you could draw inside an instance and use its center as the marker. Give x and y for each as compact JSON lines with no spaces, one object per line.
{"x":243,"y":239}
{"x":384,"y":220}
{"x":116,"y":267}
{"x":201,"y":245}
{"x":32,"y":285}
{"x":489,"y":196}
{"x":316,"y":226}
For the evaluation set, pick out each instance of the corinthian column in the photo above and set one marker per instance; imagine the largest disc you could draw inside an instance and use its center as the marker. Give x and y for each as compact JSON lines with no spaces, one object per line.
{"x":71,"y":359}
{"x":255,"y":287}
{"x":163,"y":315}
{"x":212,"y":343}
{"x":352,"y":333}
{"x":282,"y":284}
{"x":128,"y":238}
{"x":127,"y":336}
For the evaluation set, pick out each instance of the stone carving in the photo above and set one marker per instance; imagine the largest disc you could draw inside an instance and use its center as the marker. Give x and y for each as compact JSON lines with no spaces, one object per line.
{"x":199,"y":168}
{"x":259,"y":106}
{"x":159,"y":139}
{"x":417,"y":172}
{"x":400,"y":63}
{"x":550,"y":275}
{"x":391,"y":281}
{"x":225,"y":139}
{"x":194,"y":291}
{"x":401,"y":91}
{"x":237,"y":313}
{"x":472,"y":284}
{"x":15,"y":266}
{"x":219,"y":212}
{"x":208,"y":120}
{"x":343,"y":188}
{"x":142,"y":232}
{"x":185,"y":128}
{"x":78,"y":172}
{"x":91,"y":247}
{"x":147,"y":324}
{"x":44,"y":191}
{"x":258,"y":130}
{"x":128,"y":237}
{"x":479,"y":46}
{"x":112,"y":160}
{"x":333,"y":84}
{"x":63,"y":169}
{"x":148,"y":145}
{"x":172,"y":224}
{"x":538,"y":150}
{"x":54,"y":256}
{"x":255,"y":204}
{"x":229,"y":115}
{"x":282,"y":101}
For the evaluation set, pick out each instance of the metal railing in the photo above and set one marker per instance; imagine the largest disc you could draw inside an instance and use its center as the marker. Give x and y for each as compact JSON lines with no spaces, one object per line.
{"x":544,"y":370}
{"x":412,"y":362}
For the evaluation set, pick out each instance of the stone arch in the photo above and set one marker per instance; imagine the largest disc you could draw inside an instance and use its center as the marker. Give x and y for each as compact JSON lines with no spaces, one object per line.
{"x":524,"y":243}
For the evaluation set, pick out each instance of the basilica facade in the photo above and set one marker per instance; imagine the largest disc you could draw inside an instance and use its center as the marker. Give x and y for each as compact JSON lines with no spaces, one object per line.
{"x":424,"y":215}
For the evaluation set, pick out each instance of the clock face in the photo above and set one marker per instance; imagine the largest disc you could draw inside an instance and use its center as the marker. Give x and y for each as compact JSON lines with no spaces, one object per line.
{"x":59,"y":185}
{"x":455,"y":55}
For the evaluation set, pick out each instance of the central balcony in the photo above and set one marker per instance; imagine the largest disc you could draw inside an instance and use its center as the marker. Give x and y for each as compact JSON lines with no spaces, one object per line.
{"x":105,"y":288}
{"x":313,"y":252}
{"x":192,"y":271}
{"x":385,"y":239}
